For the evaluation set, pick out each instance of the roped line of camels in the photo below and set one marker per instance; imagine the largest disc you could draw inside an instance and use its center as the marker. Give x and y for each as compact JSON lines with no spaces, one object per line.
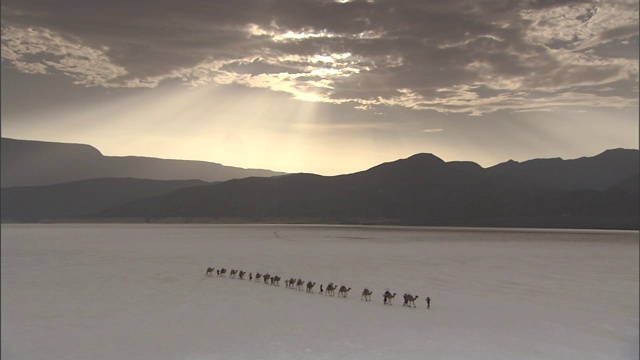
{"x":299,"y":284}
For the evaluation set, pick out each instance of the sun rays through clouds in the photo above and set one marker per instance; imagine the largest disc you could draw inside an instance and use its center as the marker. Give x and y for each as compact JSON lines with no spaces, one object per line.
{"x":387,"y":53}
{"x":279,"y":82}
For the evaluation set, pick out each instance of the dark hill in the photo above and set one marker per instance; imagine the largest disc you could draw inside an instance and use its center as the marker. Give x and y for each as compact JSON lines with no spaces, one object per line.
{"x":33,"y":163}
{"x":599,"y":172}
{"x":420,"y":190}
{"x":35,"y":203}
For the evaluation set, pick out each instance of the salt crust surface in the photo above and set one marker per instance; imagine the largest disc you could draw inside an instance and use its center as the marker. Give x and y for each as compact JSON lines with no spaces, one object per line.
{"x":140,"y":292}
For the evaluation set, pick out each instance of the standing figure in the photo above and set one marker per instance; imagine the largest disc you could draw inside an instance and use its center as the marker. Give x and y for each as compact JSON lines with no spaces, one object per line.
{"x":428,"y":302}
{"x":250,"y":277}
{"x":321,"y":289}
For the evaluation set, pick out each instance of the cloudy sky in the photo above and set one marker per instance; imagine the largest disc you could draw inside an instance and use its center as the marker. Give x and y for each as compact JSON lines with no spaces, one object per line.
{"x":322,"y":86}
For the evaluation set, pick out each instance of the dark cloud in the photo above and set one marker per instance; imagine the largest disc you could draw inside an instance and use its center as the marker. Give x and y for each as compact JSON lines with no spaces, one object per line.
{"x":416,"y":54}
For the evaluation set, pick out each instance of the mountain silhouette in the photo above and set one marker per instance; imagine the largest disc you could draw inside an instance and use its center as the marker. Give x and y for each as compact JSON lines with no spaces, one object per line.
{"x":31,"y":163}
{"x":419,"y":190}
{"x":68,"y":200}
{"x":599,"y":173}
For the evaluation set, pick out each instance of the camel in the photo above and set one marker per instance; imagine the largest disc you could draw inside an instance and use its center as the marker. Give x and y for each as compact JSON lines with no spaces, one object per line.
{"x":299,"y":284}
{"x":310,"y":286}
{"x":366,"y":295}
{"x":241,"y":274}
{"x":275,"y":280}
{"x":409,"y":299}
{"x":343,"y":291}
{"x":223,"y":271}
{"x":388,"y":296}
{"x":233,"y":273}
{"x":330,"y":289}
{"x":209,"y":271}
{"x":266,"y":278}
{"x":290,"y":283}
{"x":258,"y":275}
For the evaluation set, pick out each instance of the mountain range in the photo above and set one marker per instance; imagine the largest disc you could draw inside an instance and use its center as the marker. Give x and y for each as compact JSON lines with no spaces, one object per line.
{"x":30,"y":163}
{"x":599,"y":192}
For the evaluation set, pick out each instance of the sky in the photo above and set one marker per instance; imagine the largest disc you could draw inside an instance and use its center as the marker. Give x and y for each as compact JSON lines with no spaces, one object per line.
{"x":322,"y":86}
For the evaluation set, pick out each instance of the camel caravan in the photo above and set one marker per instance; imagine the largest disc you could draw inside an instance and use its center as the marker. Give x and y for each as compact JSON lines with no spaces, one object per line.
{"x":299,"y":284}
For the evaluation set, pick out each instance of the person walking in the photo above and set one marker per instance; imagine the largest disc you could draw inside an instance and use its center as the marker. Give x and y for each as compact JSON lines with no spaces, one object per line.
{"x":250,"y":276}
{"x":428,"y":302}
{"x":321,"y":289}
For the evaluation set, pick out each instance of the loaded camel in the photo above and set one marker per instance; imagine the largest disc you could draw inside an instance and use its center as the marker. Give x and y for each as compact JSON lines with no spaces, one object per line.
{"x":330,"y":289}
{"x":266,"y":278}
{"x":223,"y":271}
{"x":366,"y":295}
{"x":343,"y":291}
{"x":299,"y":284}
{"x":209,"y":272}
{"x":388,"y":296}
{"x":258,"y":275}
{"x":310,"y":286}
{"x":409,"y":299}
{"x":233,"y":273}
{"x":241,"y":274}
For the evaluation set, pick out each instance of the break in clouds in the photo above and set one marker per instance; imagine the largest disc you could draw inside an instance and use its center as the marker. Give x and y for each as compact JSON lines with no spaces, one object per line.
{"x":463,"y":56}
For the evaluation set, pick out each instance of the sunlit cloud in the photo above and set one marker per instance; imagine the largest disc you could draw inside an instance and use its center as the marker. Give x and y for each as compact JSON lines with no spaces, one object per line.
{"x":516,"y":56}
{"x":289,"y":35}
{"x":535,"y":110}
{"x":580,"y":26}
{"x":38,"y":50}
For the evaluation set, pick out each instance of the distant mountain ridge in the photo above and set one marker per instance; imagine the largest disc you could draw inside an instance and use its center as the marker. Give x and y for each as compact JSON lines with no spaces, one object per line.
{"x":589,"y":192}
{"x":419,"y":190}
{"x":33,"y":163}
{"x":599,"y":172}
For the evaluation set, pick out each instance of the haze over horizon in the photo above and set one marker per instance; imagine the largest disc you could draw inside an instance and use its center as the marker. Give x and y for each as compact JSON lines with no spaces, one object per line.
{"x":325,"y":87}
